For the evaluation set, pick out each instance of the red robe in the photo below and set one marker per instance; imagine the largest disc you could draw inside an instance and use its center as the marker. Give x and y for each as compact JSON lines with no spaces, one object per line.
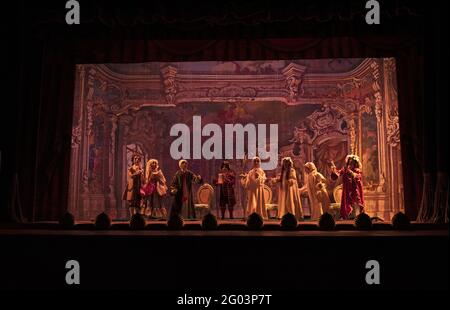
{"x":352,"y":190}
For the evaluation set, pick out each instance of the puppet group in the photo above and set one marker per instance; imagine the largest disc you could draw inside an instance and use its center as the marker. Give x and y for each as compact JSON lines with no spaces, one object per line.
{"x":146,"y":188}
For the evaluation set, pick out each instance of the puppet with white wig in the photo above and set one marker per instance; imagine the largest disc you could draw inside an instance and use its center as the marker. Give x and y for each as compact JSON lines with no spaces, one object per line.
{"x":315,"y":186}
{"x":253,"y":182}
{"x":132,"y":192}
{"x":155,"y":182}
{"x":288,"y":193}
{"x":352,"y":187}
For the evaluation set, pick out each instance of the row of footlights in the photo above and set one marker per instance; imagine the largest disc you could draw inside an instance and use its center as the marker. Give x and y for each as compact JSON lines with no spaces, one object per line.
{"x":254,"y":222}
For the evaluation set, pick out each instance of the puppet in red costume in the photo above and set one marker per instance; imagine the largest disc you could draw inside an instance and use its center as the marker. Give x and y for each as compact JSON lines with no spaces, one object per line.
{"x":352,"y":189}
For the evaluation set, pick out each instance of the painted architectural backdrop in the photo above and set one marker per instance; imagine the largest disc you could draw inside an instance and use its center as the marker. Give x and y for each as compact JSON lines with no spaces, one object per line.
{"x":325,"y":109}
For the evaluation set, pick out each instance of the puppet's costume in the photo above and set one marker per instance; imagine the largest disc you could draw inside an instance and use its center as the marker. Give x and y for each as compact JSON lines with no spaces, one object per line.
{"x":181,"y":188}
{"x":316,"y":188}
{"x":155,"y":189}
{"x":288,"y":192}
{"x":352,"y":187}
{"x":227,"y":198}
{"x":253,"y":182}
